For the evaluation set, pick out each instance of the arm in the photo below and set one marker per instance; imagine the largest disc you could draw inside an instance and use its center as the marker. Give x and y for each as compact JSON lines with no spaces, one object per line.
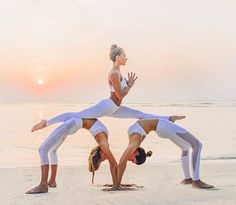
{"x":123,"y":160}
{"x":107,"y":152}
{"x":115,"y":80}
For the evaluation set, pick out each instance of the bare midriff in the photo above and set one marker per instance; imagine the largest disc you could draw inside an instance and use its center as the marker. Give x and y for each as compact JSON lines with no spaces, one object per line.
{"x":148,"y":125}
{"x":115,"y":99}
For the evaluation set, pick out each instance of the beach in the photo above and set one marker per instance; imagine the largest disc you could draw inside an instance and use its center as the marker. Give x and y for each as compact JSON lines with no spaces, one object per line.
{"x":159,"y":177}
{"x":160,"y":186}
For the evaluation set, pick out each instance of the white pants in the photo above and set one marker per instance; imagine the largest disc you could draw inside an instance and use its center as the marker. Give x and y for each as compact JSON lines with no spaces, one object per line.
{"x":105,"y":107}
{"x":185,"y":140}
{"x":58,"y":136}
{"x":182,"y":138}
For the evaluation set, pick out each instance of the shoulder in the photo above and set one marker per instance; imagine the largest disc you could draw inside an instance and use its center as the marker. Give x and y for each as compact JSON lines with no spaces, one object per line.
{"x":114,"y":75}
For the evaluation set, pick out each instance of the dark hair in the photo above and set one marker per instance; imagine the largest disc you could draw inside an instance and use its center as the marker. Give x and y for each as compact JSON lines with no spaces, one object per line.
{"x":115,"y":51}
{"x":94,"y":160}
{"x":141,"y":157}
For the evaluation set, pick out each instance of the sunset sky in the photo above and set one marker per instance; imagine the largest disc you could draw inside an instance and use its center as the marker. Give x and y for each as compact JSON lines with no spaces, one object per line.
{"x":57,"y":50}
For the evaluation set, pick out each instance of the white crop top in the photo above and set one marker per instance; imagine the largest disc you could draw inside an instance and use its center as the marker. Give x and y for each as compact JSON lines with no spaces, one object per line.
{"x":123,"y":84}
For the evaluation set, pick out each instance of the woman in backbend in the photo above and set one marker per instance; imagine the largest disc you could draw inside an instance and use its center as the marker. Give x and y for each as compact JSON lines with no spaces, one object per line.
{"x":165,"y":129}
{"x":57,"y":137}
{"x":119,"y":88}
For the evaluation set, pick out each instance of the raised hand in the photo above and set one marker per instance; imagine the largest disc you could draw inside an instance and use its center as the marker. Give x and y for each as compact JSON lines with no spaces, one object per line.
{"x":131,"y":79}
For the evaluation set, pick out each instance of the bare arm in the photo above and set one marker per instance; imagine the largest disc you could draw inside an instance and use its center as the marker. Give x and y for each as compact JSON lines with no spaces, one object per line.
{"x":124,"y":158}
{"x":102,"y":141}
{"x":115,"y":81}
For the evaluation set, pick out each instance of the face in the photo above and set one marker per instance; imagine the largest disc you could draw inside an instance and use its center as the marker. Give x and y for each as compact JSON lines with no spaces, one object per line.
{"x":122,"y":58}
{"x":133,"y":157}
{"x":103,"y":157}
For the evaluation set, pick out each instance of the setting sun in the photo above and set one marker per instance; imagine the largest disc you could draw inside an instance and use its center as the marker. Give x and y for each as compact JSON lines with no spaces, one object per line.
{"x":40,"y":82}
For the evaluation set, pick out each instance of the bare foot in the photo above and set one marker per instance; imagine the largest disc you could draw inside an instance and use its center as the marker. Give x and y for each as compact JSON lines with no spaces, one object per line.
{"x":52,"y":184}
{"x":110,"y":189}
{"x":39,"y":125}
{"x":38,"y":190}
{"x":187,"y":181}
{"x":201,"y":185}
{"x":126,"y":188}
{"x":176,"y":117}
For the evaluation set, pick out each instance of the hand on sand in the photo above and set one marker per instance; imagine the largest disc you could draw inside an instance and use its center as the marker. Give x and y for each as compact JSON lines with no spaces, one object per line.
{"x":110,"y":189}
{"x":176,"y":117}
{"x":39,"y":125}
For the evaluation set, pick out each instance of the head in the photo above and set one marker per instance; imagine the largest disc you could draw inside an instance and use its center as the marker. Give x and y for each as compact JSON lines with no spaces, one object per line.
{"x":139,"y":156}
{"x":117,"y":55}
{"x":95,"y":158}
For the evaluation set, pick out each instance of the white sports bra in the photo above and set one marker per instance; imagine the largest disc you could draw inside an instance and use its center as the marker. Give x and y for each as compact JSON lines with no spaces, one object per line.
{"x":123,"y":84}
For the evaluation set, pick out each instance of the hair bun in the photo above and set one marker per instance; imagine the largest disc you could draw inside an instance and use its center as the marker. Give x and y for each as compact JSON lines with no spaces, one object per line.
{"x":149,"y":154}
{"x":114,"y":46}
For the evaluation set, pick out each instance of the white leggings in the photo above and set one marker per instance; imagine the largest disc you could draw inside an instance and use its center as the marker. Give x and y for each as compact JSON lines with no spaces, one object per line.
{"x":105,"y":107}
{"x":185,"y":140}
{"x":58,"y":136}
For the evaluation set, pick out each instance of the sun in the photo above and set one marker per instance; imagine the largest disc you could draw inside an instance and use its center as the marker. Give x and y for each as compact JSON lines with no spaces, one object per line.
{"x":40,"y":82}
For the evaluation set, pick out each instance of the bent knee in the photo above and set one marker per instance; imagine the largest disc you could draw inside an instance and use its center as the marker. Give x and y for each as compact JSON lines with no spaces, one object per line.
{"x":197,"y":145}
{"x":42,"y":150}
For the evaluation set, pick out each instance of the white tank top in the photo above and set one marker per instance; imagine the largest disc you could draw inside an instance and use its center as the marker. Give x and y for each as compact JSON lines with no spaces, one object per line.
{"x":123,"y":84}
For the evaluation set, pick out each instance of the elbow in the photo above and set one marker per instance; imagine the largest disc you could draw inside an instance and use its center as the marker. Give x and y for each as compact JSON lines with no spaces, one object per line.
{"x":120,"y":97}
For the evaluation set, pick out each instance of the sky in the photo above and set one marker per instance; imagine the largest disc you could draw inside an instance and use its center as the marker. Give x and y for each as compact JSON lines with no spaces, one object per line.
{"x":58,"y":50}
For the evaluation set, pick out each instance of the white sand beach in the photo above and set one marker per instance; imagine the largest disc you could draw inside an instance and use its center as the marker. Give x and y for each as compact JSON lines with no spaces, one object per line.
{"x":160,"y":177}
{"x":160,"y":186}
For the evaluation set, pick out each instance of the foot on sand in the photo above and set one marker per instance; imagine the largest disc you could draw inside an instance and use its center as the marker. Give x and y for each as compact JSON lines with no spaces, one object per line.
{"x":38,"y":190}
{"x":52,"y":184}
{"x":187,"y":181}
{"x":39,"y":125}
{"x":201,"y":185}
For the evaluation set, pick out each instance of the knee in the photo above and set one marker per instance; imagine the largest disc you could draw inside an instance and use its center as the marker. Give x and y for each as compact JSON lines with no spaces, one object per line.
{"x":198,"y":146}
{"x":71,"y":122}
{"x":52,"y":152}
{"x":43,"y":150}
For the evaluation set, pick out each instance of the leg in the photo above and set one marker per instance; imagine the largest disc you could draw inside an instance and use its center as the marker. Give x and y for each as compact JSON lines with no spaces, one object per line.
{"x":184,"y":140}
{"x":52,"y":181}
{"x":126,"y":112}
{"x":104,"y":107}
{"x":76,"y":125}
{"x":184,"y":146}
{"x":54,"y":161}
{"x":55,"y":137}
{"x":197,"y":147}
{"x":43,"y":186}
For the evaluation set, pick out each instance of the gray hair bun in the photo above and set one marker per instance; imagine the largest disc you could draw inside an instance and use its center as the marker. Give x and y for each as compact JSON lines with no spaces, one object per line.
{"x":114,"y":46}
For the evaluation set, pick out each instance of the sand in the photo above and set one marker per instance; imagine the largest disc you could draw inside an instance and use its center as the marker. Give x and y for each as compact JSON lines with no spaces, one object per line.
{"x":160,"y":186}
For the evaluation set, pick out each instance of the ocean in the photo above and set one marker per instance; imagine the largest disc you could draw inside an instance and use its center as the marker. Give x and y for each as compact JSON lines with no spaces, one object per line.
{"x":211,"y":123}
